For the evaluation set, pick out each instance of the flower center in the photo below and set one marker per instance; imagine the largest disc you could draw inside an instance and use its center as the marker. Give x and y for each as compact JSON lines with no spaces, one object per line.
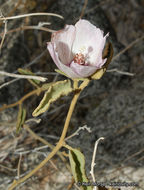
{"x":79,"y":58}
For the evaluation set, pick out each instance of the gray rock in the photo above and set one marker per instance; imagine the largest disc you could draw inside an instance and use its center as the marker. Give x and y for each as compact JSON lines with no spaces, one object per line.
{"x":120,"y":119}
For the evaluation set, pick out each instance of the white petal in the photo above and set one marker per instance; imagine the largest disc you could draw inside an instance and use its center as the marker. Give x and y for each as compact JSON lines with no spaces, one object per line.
{"x":64,"y":41}
{"x":66,"y":69}
{"x":96,"y":56}
{"x":82,"y":70}
{"x":90,"y":40}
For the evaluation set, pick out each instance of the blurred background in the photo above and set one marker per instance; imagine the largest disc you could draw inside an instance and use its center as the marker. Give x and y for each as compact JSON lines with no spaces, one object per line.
{"x":112,"y":107}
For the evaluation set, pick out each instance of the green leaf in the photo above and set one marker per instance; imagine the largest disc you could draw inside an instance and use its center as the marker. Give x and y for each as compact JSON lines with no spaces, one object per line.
{"x":54,"y":92}
{"x":34,"y":82}
{"x":46,"y":86}
{"x":108,"y":53}
{"x":77,"y":162}
{"x":21,"y":118}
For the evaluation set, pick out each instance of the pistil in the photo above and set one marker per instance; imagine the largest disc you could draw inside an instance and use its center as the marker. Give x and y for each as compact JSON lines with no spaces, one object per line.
{"x":79,"y":59}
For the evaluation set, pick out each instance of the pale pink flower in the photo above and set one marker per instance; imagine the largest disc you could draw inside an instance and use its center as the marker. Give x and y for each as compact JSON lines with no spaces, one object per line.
{"x":77,"y":50}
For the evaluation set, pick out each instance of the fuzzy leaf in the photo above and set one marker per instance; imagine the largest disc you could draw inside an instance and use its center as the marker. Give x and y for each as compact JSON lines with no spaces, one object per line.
{"x":77,"y":162}
{"x":46,"y":86}
{"x":34,"y":82}
{"x":21,"y":118}
{"x":54,"y":92}
{"x":108,"y":53}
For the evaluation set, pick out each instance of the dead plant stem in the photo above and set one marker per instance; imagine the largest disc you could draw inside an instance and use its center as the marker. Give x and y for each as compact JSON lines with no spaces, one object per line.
{"x":21,"y":100}
{"x":46,"y":143}
{"x":31,"y":14}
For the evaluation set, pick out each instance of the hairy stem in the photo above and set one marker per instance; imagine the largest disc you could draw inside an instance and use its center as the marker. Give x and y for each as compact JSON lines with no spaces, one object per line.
{"x":61,"y":141}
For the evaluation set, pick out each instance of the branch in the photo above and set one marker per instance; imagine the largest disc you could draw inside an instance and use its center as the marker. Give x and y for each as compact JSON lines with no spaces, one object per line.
{"x":31,"y":14}
{"x":78,"y":130}
{"x":120,"y":72}
{"x":21,"y":100}
{"x":128,"y":47}
{"x":18,"y":167}
{"x":23,"y":76}
{"x":83,"y":9}
{"x":4,"y":34}
{"x":7,"y":83}
{"x":29,"y":28}
{"x":93,"y":160}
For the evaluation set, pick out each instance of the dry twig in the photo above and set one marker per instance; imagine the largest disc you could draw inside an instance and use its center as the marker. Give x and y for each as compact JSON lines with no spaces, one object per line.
{"x":77,"y":132}
{"x":4,"y":33}
{"x":18,"y":168}
{"x":26,"y":66}
{"x":23,"y":76}
{"x":83,"y":9}
{"x":97,"y":5}
{"x":47,"y":143}
{"x":128,"y":47}
{"x":31,"y":14}
{"x":29,"y":28}
{"x":8,"y":83}
{"x":120,"y":72}
{"x":93,"y":160}
{"x":21,"y":100}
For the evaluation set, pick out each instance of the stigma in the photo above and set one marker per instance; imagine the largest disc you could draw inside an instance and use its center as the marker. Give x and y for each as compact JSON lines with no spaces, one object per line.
{"x":79,"y":59}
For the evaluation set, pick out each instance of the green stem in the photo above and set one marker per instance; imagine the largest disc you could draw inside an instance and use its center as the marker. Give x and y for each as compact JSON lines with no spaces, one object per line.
{"x":61,"y":140}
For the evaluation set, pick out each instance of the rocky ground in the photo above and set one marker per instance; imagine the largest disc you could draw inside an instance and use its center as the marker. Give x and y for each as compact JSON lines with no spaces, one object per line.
{"x":112,"y":107}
